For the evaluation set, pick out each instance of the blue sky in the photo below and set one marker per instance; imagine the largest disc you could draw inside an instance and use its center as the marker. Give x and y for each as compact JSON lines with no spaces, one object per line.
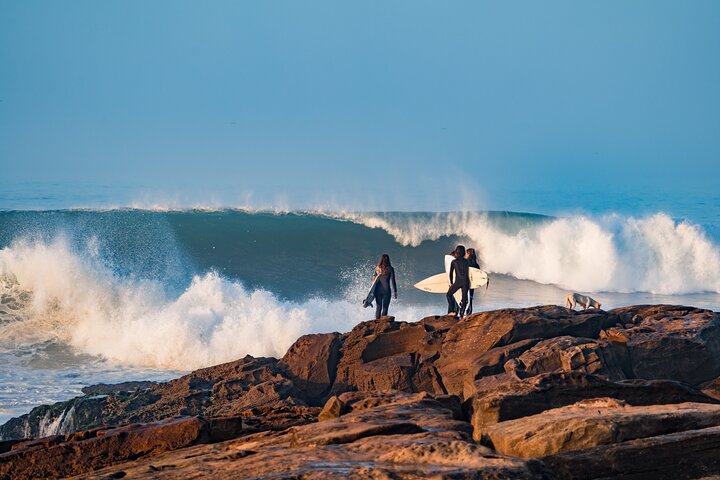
{"x":387,"y":104}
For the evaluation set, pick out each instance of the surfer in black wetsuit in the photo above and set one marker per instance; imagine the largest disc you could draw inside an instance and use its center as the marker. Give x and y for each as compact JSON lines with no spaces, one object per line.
{"x":385,"y":274}
{"x":472,"y":262}
{"x":459,"y":280}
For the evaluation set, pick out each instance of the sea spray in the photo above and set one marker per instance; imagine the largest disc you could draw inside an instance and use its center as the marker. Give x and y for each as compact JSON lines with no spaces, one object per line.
{"x":77,"y":301}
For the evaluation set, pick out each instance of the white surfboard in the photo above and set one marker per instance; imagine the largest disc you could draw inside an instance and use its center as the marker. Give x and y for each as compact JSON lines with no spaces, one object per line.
{"x":436,"y":284}
{"x":439,"y":283}
{"x":371,"y":294}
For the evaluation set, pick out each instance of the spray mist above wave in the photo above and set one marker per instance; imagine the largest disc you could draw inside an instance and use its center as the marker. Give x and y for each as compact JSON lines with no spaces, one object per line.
{"x":52,"y":292}
{"x":612,"y":253}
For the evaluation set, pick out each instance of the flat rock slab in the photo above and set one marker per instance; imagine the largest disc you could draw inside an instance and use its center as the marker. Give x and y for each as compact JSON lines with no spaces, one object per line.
{"x":595,"y":422}
{"x":399,"y":436}
{"x":511,"y":397}
{"x":483,"y":331}
{"x":682,"y":455}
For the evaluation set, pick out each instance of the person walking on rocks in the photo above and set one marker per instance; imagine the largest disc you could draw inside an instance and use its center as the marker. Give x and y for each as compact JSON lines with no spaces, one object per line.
{"x":472,"y":262}
{"x":459,"y":280}
{"x":385,"y":274}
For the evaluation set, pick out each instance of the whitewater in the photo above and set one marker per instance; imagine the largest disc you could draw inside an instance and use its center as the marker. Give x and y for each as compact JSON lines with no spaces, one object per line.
{"x":88,"y":296}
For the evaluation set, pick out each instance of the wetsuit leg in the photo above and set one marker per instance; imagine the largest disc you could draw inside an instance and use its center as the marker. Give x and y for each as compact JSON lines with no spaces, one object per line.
{"x":464,"y":300}
{"x":470,"y":304}
{"x":379,"y":298}
{"x":450,"y":299}
{"x":378,"y":304}
{"x":385,"y":304}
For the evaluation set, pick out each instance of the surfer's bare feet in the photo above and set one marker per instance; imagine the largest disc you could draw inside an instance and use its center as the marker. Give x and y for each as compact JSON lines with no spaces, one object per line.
{"x":452,"y":314}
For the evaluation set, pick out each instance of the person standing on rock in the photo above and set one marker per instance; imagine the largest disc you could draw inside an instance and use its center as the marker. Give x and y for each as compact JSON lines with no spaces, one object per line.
{"x":472,"y":262}
{"x":385,"y":274}
{"x":459,"y":280}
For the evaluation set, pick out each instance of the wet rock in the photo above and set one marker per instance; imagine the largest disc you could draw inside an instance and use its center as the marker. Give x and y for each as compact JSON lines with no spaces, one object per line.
{"x":59,"y":418}
{"x":223,"y":390}
{"x":106,"y":388}
{"x":590,"y":423}
{"x":66,"y":455}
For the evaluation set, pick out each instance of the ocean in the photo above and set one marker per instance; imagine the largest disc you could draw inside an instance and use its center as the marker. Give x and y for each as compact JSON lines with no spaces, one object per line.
{"x":109,"y":294}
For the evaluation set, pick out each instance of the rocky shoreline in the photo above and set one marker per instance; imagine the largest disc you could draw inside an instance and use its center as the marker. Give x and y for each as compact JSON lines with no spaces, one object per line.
{"x":541,"y":392}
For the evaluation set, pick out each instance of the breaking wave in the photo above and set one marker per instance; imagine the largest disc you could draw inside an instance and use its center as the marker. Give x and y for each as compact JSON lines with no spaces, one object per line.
{"x":121,"y":301}
{"x":51,"y":293}
{"x":613,"y":253}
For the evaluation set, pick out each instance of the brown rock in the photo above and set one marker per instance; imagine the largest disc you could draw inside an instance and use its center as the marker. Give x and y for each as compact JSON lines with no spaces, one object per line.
{"x":311,"y":363}
{"x":458,"y":370}
{"x":673,"y":342}
{"x":426,"y":378}
{"x":438,"y":323}
{"x":511,"y":397}
{"x":333,"y":408}
{"x":354,"y":344}
{"x":483,"y":331}
{"x":387,"y":355}
{"x":62,"y":456}
{"x":404,"y":436}
{"x":590,"y":423}
{"x":568,"y":354}
{"x":681,"y":455}
{"x":357,"y":401}
{"x":712,"y":388}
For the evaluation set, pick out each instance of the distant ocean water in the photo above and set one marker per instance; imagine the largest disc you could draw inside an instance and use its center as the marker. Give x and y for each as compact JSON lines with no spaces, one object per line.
{"x":110,"y":294}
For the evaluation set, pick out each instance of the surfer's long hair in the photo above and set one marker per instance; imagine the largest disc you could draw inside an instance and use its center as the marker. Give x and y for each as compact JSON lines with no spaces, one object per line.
{"x":459,"y":251}
{"x":472,"y":257}
{"x":384,"y":265}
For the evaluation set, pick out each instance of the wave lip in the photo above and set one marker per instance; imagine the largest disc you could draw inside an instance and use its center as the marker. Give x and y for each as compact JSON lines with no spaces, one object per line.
{"x":613,"y":253}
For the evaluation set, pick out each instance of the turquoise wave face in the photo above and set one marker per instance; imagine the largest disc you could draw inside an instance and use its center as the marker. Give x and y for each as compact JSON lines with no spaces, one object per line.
{"x":298,"y":255}
{"x":293,"y":255}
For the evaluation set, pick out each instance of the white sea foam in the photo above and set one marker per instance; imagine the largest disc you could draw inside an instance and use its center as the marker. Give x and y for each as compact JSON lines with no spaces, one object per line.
{"x":613,"y":253}
{"x":70,"y":297}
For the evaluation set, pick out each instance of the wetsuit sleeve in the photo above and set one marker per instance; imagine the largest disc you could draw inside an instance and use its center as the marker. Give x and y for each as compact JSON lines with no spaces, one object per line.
{"x":392,"y":278}
{"x":452,"y":271}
